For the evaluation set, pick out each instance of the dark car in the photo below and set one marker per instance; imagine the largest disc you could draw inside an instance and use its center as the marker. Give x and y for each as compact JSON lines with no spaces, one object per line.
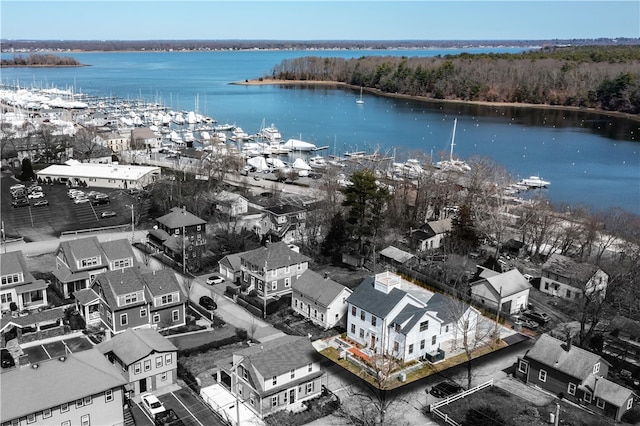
{"x":168,"y":418}
{"x":6,"y":360}
{"x":41,"y":203}
{"x":100,"y":200}
{"x":539,"y":317}
{"x":20,"y":202}
{"x":208,"y":303}
{"x":444,"y":389}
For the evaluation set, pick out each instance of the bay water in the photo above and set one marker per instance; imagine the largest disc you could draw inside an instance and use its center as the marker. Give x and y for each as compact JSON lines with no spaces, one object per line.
{"x":590,"y":159}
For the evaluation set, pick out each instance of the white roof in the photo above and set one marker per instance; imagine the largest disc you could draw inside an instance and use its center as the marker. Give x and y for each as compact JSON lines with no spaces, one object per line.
{"x":100,"y":171}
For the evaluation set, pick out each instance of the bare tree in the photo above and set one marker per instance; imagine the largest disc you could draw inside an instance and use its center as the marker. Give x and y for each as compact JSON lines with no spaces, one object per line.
{"x":85,"y":143}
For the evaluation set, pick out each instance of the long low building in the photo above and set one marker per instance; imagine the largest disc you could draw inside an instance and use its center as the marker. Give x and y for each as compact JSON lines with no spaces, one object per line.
{"x":101,"y":175}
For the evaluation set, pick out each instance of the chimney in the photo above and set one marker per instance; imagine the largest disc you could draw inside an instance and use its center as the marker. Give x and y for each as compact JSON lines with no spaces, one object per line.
{"x":569,"y":341}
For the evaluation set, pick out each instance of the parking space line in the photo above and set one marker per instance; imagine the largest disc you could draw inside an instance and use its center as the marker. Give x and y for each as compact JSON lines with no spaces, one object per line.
{"x":185,"y":407}
{"x":46,"y":351}
{"x":66,"y":348}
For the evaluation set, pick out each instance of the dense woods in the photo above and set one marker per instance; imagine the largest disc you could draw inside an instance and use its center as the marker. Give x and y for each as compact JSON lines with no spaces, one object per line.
{"x":602,"y":77}
{"x":40,"y":60}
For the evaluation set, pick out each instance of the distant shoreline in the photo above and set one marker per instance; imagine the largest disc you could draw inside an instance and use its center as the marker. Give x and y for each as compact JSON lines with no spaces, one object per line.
{"x":268,"y":81}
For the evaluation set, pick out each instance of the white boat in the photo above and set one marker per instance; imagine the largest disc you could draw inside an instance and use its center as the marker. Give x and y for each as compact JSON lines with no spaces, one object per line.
{"x":278,"y":148}
{"x":301,"y":166}
{"x":188,"y":137}
{"x":317,"y":161}
{"x":238,"y":134}
{"x":299,"y":145}
{"x":224,"y":127}
{"x":534,"y":182}
{"x":270,"y":133}
{"x":453,"y":165}
{"x":359,"y":100}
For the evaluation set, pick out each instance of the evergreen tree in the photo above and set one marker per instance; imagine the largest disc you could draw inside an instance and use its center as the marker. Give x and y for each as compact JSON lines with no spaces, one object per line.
{"x":463,"y":237}
{"x":27,"y":170}
{"x":367,"y":205}
{"x":336,"y":239}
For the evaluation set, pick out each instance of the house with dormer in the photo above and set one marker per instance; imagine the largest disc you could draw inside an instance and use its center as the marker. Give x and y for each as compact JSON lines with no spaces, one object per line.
{"x":144,"y":357}
{"x":79,"y":261}
{"x":271,"y":270}
{"x":130,"y":299}
{"x":181,"y":235}
{"x":285,"y":222}
{"x":80,"y":388}
{"x":580,"y":376}
{"x":564,"y":277}
{"x":508,"y":290}
{"x":18,"y":284}
{"x":320,"y":299}
{"x":431,"y":235}
{"x":387,"y":314}
{"x":279,"y":374}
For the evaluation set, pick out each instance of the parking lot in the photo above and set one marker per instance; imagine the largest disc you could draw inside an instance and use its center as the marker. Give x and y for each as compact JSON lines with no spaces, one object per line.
{"x":62,"y":214}
{"x":189,"y":408}
{"x":56,"y":349}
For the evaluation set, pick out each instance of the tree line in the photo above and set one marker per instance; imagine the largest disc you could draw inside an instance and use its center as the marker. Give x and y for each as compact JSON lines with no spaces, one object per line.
{"x":40,"y":60}
{"x":600,"y":77}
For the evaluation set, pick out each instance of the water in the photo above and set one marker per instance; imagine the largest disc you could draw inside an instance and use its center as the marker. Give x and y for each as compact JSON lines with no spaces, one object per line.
{"x":590,"y":159}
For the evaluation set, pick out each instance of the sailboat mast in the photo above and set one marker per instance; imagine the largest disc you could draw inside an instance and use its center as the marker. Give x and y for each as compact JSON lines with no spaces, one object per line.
{"x":453,"y":138}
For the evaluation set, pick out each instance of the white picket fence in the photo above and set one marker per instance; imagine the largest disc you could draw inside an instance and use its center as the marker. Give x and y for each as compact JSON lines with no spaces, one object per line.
{"x":448,"y":400}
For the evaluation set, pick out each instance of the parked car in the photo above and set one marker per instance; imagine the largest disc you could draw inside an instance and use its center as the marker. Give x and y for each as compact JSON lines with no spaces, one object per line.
{"x":168,"y":418}
{"x":41,"y":203}
{"x":34,"y":188}
{"x":100,"y":200}
{"x":73,"y":193}
{"x":107,"y":213}
{"x":81,"y":200}
{"x":215,"y":279}
{"x":208,"y":303}
{"x":529,"y":323}
{"x":20,"y":202}
{"x":539,"y":317}
{"x":152,"y":404}
{"x":35,"y":195}
{"x":6,"y":360}
{"x":444,"y":389}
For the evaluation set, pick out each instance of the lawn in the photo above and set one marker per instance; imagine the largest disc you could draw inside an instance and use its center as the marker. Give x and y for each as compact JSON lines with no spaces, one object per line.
{"x":517,"y":411}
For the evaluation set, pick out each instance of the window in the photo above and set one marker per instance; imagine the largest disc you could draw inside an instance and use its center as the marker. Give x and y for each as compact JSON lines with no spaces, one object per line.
{"x":147,"y":365}
{"x":353,"y":311}
{"x":523,"y":366}
{"x":309,"y":387}
{"x":295,"y":302}
{"x":143,"y":312}
{"x":252,"y":400}
{"x":446,"y":329}
{"x":600,"y":403}
{"x":287,"y":282}
{"x":596,"y":368}
{"x":6,"y":298}
{"x":309,"y":367}
{"x":568,"y":293}
{"x":163,"y":377}
{"x":136,"y":368}
{"x":31,"y":418}
{"x":421,"y":344}
{"x":411,"y":348}
{"x":362,"y":316}
{"x":87,"y":400}
{"x":629,"y":403}
{"x":293,"y":373}
{"x":424,"y":325}
{"x":78,"y":403}
{"x":546,"y":286}
{"x":287,"y":269}
{"x":91,"y":261}
{"x":361,"y":333}
{"x":353,"y":328}
{"x":84,"y":420}
{"x":542,"y":376}
{"x":571,"y":389}
{"x":156,"y":318}
{"x":198,"y":227}
{"x":11,"y":279}
{"x":175,"y":315}
{"x":64,"y":408}
{"x":122,"y":263}
{"x":167,"y":298}
{"x":433,"y":340}
{"x":167,"y":359}
{"x":587,"y":396}
{"x":274,"y":285}
{"x":274,"y":401}
{"x":108,"y":396}
{"x":67,"y":423}
{"x":274,"y":380}
{"x":124,"y":320}
{"x":373,"y":320}
{"x":159,"y":361}
{"x":396,"y":347}
{"x":397,"y":328}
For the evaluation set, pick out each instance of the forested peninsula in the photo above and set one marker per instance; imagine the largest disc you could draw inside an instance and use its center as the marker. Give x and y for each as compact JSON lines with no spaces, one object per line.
{"x":600,"y":77}
{"x":40,"y":60}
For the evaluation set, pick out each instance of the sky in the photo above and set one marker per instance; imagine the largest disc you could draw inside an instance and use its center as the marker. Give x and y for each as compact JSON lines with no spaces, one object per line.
{"x":318,"y":20}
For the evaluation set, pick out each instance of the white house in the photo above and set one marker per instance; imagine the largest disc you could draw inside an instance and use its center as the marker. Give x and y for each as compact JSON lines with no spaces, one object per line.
{"x":18,"y":284}
{"x":389,"y":314}
{"x":566,"y":278}
{"x":232,"y":204}
{"x":320,"y":299}
{"x":431,"y":235}
{"x":112,"y":175}
{"x":509,"y":289}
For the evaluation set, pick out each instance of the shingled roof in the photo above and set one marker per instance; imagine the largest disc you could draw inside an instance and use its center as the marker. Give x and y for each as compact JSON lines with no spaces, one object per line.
{"x":273,"y":256}
{"x":366,"y":297}
{"x":136,"y":344}
{"x":317,"y":288}
{"x":577,"y":273}
{"x":179,"y":217}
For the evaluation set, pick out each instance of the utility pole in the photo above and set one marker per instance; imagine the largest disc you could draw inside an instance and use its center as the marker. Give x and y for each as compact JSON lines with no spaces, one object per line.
{"x":133,"y":229}
{"x":184,"y":254}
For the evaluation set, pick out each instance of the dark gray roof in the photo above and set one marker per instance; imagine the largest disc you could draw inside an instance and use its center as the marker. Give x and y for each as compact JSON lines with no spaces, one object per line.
{"x":366,"y":297}
{"x":273,"y":256}
{"x":134,"y":345}
{"x":12,"y":263}
{"x":411,"y":313}
{"x":578,"y":273}
{"x":556,"y":354}
{"x":316,"y":287}
{"x":447,"y":309}
{"x":179,"y":217}
{"x":279,"y":356}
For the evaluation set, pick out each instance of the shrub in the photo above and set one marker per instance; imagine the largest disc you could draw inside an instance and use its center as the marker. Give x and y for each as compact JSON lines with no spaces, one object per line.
{"x":241,"y":333}
{"x":188,"y":378}
{"x":631,"y":416}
